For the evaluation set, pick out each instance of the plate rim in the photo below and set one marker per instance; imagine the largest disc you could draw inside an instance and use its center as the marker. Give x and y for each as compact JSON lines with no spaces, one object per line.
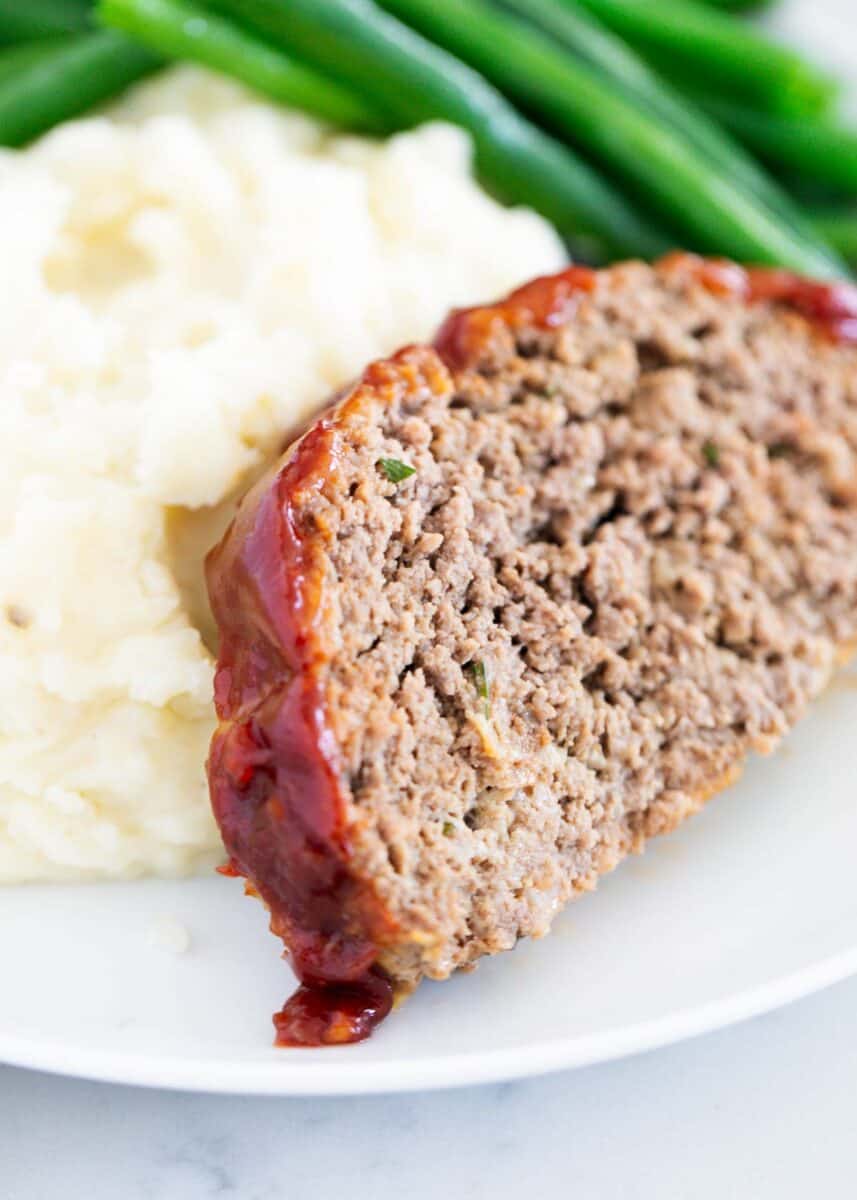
{"x":424,"y":1073}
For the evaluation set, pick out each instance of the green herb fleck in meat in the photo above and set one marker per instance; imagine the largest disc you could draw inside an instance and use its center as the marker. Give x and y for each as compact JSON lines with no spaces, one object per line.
{"x":480,"y":680}
{"x":711,"y":454}
{"x":395,"y":470}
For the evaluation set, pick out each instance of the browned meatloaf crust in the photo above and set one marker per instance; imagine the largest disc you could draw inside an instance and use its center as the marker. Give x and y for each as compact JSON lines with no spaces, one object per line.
{"x":626,"y":556}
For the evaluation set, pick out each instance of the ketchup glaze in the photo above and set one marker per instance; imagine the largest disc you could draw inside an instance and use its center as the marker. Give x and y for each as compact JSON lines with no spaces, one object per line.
{"x":273,"y":773}
{"x":830,"y":306}
{"x":551,"y":300}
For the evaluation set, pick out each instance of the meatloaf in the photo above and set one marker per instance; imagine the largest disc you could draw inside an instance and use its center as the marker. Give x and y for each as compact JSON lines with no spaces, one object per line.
{"x":520,"y":601}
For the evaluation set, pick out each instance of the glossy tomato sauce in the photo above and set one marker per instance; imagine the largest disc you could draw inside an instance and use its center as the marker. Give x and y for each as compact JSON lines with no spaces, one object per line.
{"x":830,"y":306}
{"x":274,"y":779}
{"x":548,"y":301}
{"x":552,"y":299}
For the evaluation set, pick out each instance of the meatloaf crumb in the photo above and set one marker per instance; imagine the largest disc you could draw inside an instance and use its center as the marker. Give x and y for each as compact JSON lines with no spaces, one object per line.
{"x":626,"y":556}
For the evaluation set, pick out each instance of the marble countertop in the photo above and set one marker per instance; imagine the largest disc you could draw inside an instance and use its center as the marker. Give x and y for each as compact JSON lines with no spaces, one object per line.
{"x":766,"y":1109}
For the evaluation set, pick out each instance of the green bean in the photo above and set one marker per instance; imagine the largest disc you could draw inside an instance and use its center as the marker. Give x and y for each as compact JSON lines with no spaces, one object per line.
{"x":418,"y":81}
{"x":691,"y":41}
{"x":819,"y":150}
{"x":23,"y":54}
{"x":717,"y":215}
{"x":741,"y":6}
{"x":78,"y":73}
{"x":840,"y":229}
{"x":23,"y":20}
{"x":182,"y":29}
{"x":584,"y":36}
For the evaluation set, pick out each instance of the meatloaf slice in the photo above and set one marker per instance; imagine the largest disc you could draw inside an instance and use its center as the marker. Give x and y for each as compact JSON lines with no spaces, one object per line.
{"x":521,"y":601}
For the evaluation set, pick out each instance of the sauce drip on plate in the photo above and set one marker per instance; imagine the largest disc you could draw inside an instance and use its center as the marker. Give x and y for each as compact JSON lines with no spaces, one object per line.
{"x":334,"y":1014}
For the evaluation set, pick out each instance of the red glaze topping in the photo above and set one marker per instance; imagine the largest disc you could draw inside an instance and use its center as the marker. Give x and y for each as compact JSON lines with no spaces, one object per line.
{"x":273,"y":772}
{"x":548,"y":301}
{"x":832,"y":307}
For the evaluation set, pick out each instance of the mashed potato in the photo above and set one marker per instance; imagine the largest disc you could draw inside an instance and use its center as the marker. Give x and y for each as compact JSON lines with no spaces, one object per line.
{"x":183,"y":281}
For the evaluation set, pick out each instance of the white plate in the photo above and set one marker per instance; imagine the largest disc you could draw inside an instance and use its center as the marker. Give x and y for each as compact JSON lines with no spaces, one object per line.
{"x":752,"y":904}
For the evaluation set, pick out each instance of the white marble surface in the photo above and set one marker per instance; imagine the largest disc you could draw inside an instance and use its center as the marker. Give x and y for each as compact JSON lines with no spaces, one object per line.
{"x":764,"y":1110}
